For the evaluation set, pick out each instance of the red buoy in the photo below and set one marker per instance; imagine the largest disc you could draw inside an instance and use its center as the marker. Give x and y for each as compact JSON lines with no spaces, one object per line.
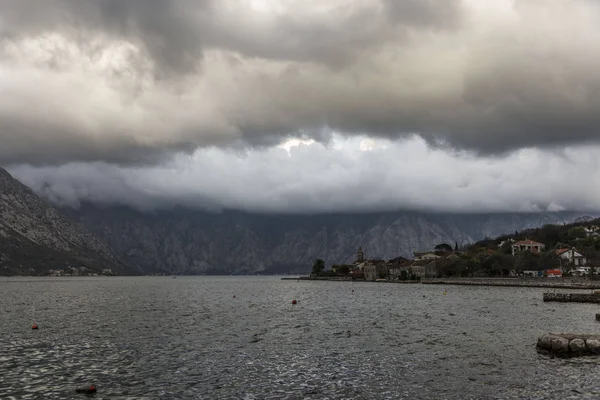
{"x":34,"y":326}
{"x":294,"y":301}
{"x":86,"y":389}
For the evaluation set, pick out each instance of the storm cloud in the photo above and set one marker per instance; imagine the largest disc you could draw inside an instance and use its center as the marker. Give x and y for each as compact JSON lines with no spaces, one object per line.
{"x":138,"y":82}
{"x":355,"y":175}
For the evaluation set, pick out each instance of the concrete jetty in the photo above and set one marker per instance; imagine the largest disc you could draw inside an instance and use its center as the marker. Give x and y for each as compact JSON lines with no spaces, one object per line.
{"x":569,"y":344}
{"x":516,"y":282}
{"x":572,"y":297}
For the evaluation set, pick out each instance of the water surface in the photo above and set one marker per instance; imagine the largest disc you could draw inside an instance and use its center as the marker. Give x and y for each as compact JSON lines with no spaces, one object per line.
{"x":158,"y":337}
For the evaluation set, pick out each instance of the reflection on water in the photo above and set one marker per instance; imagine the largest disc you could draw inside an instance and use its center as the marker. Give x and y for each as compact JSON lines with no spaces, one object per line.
{"x":157,"y":337}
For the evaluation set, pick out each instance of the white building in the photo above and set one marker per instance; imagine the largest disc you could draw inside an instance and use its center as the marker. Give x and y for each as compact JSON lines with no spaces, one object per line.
{"x":572,"y":256}
{"x":528,"y":245}
{"x":425,"y":255}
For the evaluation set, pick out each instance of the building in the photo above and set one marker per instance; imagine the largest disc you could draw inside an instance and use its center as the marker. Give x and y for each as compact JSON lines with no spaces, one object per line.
{"x":398,"y":268}
{"x":375,"y":269}
{"x":527,"y":245}
{"x":572,"y":256}
{"x":342,"y":268}
{"x":502,"y":243}
{"x":357,"y":274}
{"x":426,"y":268}
{"x":425,"y":255}
{"x":360,"y":256}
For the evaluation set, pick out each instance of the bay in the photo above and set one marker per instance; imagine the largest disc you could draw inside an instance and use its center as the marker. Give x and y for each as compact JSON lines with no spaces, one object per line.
{"x":158,"y":337}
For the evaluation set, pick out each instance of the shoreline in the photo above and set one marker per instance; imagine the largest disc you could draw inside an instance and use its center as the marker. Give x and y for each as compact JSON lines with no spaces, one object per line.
{"x":341,"y":279}
{"x":512,"y":282}
{"x":505,"y":282}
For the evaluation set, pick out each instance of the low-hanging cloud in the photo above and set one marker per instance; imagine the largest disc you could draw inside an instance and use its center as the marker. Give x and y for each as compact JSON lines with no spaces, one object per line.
{"x":128,"y":82}
{"x":359,"y":174}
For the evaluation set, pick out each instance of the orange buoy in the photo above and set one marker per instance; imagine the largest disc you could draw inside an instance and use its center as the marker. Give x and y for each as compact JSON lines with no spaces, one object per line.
{"x":34,"y":326}
{"x":294,"y":301}
{"x":86,"y":389}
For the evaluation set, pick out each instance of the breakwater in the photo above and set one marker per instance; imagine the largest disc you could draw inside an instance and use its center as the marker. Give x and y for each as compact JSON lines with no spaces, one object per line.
{"x":572,"y":297}
{"x":516,"y":282}
{"x":340,"y":279}
{"x":569,"y":344}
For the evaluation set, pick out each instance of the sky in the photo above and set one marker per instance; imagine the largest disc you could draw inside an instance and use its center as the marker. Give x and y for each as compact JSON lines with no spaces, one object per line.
{"x":304,"y":105}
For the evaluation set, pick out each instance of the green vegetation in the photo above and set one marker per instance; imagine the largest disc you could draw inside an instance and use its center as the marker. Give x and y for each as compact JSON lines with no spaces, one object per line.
{"x":318,"y":267}
{"x":492,"y":257}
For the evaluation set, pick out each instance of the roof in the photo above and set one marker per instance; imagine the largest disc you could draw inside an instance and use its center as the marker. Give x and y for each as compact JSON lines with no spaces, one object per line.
{"x":421,"y":262}
{"x":562,"y":251}
{"x":398,"y":264}
{"x":528,"y":243}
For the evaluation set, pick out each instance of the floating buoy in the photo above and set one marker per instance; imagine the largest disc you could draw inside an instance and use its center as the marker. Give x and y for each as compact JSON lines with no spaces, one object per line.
{"x":34,"y":326}
{"x":234,"y":296}
{"x":352,"y":290}
{"x":444,"y":292}
{"x":86,"y":389}
{"x":294,"y":302}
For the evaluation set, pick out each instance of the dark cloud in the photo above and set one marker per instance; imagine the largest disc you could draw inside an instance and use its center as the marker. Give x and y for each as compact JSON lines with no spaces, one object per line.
{"x":168,"y":30}
{"x":427,"y":13}
{"x":126,"y":81}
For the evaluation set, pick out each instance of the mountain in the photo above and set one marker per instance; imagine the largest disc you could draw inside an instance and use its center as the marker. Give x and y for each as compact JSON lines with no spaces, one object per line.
{"x":185,"y":241}
{"x":35,"y":237}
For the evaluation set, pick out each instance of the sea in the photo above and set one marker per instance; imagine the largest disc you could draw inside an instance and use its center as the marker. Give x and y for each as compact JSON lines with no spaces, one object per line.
{"x":242,"y":338}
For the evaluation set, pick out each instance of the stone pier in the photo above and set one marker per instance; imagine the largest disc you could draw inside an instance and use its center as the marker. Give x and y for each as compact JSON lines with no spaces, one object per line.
{"x":572,"y":297}
{"x":569,"y":344}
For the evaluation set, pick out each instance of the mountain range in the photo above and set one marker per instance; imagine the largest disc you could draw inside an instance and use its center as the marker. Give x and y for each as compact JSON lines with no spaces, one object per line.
{"x":184,"y":241}
{"x":35,"y":235}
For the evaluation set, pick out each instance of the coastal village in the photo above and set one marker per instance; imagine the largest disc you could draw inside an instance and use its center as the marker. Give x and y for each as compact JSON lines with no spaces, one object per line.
{"x":80,"y":271}
{"x":515,"y":255}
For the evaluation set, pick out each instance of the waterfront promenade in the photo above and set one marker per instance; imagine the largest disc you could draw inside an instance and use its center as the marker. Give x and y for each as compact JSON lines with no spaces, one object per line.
{"x":555,"y":283}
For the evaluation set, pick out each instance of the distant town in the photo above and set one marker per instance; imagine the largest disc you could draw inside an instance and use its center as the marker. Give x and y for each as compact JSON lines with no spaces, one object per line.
{"x":551,"y":251}
{"x":80,"y":271}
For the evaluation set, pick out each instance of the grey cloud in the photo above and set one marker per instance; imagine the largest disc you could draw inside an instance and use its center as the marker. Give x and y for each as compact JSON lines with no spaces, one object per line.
{"x":428,"y":13}
{"x":315,"y":178}
{"x":166,"y":29}
{"x":126,"y":81}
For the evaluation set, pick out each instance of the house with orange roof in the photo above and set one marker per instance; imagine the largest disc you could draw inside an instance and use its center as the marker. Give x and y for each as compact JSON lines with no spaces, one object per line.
{"x":527,"y":245}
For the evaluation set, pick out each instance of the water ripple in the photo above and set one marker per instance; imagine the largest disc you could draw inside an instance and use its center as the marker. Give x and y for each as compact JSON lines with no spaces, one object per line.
{"x":190,"y":338}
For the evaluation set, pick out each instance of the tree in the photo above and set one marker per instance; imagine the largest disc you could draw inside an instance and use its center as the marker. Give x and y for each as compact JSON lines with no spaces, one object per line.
{"x":577,"y":232}
{"x":445,"y":247}
{"x":344,"y":270}
{"x":318,"y":267}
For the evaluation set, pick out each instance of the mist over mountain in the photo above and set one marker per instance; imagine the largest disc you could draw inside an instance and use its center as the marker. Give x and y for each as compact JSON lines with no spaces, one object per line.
{"x":186,"y":241}
{"x":35,"y":237}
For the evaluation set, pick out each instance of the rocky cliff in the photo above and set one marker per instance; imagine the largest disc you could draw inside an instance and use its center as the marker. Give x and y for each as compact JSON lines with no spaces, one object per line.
{"x":35,"y":237}
{"x":193,"y":242}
